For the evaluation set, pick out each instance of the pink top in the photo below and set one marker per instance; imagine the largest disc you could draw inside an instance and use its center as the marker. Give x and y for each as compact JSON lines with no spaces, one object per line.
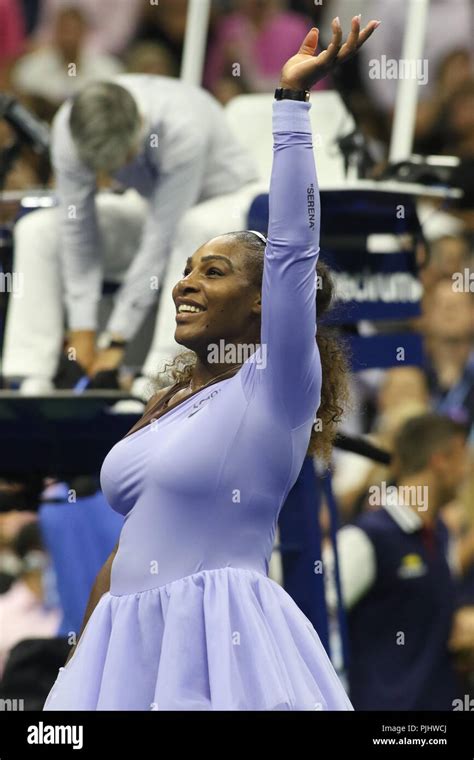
{"x":12,"y":31}
{"x":259,"y":53}
{"x":22,"y":616}
{"x":112,"y":22}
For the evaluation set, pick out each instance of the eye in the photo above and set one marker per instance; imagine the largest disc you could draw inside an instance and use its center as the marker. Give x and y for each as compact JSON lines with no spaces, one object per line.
{"x":211,"y":270}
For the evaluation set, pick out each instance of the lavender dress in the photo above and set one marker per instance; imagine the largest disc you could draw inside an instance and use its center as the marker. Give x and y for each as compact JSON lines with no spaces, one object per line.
{"x":191,"y":621}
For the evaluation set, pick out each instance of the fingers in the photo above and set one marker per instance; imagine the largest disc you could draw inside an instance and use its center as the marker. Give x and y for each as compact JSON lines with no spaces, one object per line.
{"x":356,"y":38}
{"x":310,"y":42}
{"x":367,"y":31}
{"x":350,"y":45}
{"x":327,"y":57}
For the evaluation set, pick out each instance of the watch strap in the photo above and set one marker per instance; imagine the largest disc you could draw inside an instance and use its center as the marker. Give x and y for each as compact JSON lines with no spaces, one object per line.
{"x":282,"y":93}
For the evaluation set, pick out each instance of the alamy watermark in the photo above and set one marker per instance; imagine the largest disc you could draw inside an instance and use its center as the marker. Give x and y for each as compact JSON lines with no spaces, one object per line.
{"x":463,"y":282}
{"x":229,"y":353}
{"x":42,"y":733}
{"x":12,"y":282}
{"x":404,"y":68}
{"x":12,"y":705}
{"x":466,"y":704}
{"x":413,"y":496}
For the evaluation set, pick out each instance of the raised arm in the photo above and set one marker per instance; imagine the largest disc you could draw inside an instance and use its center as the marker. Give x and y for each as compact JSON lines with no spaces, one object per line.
{"x":290,"y":364}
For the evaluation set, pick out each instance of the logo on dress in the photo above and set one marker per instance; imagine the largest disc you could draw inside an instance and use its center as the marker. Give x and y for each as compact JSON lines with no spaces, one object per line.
{"x":199,"y":404}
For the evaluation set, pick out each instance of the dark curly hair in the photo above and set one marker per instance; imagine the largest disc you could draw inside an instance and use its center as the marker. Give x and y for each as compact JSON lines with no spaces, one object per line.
{"x":333,"y":352}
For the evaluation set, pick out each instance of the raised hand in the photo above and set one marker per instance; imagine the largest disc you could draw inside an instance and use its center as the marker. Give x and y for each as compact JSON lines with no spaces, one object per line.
{"x":304,"y":69}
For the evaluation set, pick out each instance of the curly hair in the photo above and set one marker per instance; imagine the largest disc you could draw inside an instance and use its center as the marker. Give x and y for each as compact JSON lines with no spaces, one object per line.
{"x":333,"y":351}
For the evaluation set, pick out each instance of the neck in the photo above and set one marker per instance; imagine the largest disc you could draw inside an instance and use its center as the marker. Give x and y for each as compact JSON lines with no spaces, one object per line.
{"x":425,"y":500}
{"x":225,"y":356}
{"x":204,"y":373}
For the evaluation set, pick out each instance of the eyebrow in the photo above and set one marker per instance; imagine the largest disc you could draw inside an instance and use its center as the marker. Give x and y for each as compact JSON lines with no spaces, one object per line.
{"x":213,"y":256}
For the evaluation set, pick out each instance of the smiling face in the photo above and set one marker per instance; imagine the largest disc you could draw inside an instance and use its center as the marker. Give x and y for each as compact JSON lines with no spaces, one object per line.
{"x":216,"y":298}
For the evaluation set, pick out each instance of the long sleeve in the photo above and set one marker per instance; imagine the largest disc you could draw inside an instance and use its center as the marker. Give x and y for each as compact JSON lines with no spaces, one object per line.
{"x":290,"y":367}
{"x":176,"y":191}
{"x":81,"y":257}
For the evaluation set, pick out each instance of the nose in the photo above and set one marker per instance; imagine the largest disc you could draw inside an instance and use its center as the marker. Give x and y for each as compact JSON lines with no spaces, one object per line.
{"x":185,"y":285}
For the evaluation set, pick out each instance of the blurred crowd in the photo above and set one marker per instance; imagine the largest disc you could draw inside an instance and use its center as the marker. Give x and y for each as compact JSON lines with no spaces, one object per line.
{"x":50,"y":48}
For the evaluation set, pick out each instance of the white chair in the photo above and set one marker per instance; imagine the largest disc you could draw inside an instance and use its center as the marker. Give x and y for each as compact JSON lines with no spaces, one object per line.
{"x":250,"y":118}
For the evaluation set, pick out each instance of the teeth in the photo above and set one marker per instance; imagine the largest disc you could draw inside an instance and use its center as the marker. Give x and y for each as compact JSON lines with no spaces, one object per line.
{"x":188,"y":307}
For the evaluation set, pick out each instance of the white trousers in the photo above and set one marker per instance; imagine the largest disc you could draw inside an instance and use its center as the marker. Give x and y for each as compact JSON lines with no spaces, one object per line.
{"x":34,"y":328}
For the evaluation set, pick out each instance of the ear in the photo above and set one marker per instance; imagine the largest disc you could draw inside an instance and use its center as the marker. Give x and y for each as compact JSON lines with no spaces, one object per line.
{"x":257,"y":304}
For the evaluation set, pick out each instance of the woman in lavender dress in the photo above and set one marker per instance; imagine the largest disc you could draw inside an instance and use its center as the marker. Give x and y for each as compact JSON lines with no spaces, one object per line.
{"x":183,"y":615}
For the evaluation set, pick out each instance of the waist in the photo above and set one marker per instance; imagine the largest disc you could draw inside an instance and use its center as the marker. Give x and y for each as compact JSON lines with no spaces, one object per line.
{"x":132,"y":577}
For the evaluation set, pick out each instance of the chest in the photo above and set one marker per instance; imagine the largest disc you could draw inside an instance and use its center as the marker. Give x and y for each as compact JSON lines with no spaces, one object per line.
{"x":181,"y":451}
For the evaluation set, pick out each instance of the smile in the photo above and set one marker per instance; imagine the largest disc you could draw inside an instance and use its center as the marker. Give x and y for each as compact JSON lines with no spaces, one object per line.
{"x":187,"y":307}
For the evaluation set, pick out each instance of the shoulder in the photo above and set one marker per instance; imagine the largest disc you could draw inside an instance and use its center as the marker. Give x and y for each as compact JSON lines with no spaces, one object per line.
{"x":383,"y":531}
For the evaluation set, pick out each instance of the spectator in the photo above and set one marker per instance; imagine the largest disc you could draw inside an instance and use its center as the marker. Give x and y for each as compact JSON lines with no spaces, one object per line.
{"x":250,"y":45}
{"x":448,"y":326}
{"x":460,"y":121}
{"x":449,"y":254}
{"x":396,"y":579}
{"x":167,"y":140}
{"x":61,"y":68}
{"x":164,"y":23}
{"x":448,"y":27}
{"x":403,"y":394}
{"x":454,"y":70}
{"x":150,"y":58}
{"x":12,"y":36}
{"x":24,"y":609}
{"x":111,"y":23}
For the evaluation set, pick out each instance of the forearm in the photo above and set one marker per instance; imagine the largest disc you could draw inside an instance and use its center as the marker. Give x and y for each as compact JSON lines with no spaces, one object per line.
{"x":140,"y":287}
{"x":288,"y":330}
{"x":100,"y":587}
{"x":294,"y":205}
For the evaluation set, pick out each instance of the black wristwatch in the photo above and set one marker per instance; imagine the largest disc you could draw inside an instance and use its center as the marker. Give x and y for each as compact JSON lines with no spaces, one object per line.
{"x":282,"y":94}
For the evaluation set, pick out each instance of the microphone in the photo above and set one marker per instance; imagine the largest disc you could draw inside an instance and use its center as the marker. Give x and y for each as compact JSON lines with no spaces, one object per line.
{"x":361,"y":446}
{"x":27,"y":126}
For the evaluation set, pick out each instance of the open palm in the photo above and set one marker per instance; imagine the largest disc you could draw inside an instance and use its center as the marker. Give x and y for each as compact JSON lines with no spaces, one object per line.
{"x":304,"y":69}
